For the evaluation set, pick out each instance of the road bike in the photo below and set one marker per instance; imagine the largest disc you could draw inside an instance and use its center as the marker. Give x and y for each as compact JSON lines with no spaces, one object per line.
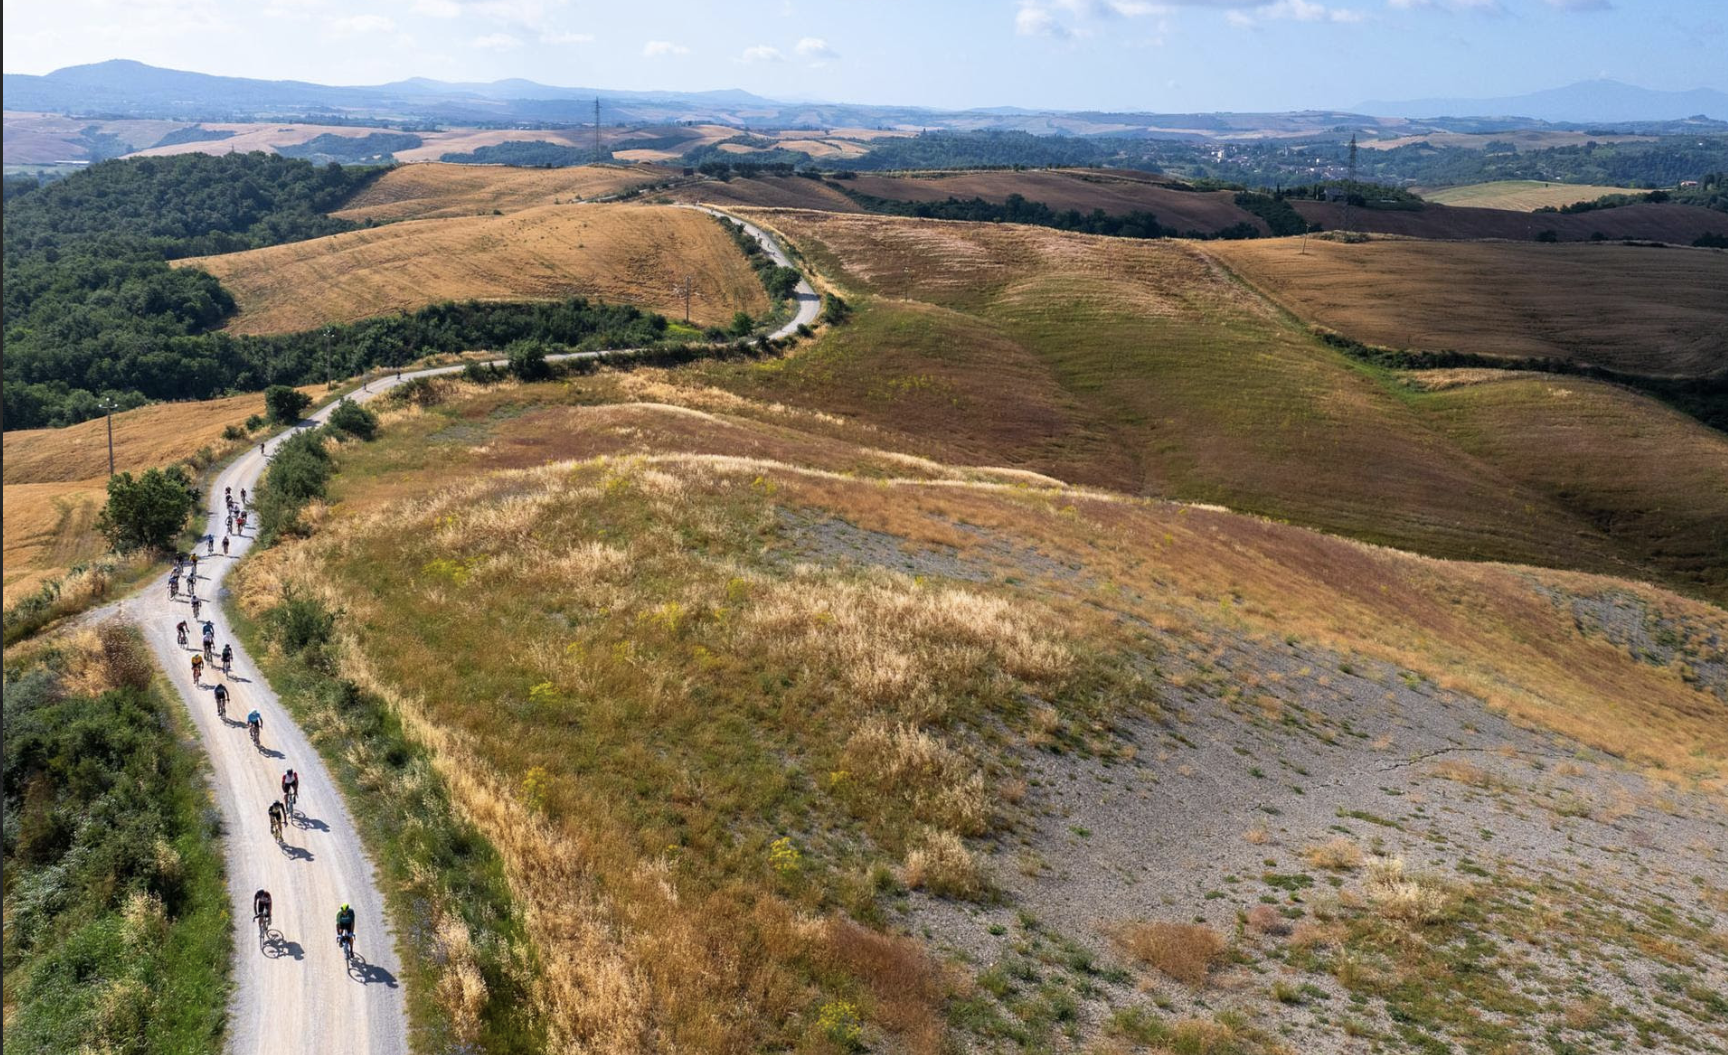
{"x":345,"y":938}
{"x":276,"y":828}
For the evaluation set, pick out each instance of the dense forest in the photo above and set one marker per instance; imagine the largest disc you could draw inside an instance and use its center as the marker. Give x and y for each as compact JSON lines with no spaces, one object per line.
{"x":92,"y":308}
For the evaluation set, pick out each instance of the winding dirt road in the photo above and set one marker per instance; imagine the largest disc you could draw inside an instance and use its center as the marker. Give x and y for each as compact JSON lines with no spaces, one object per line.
{"x":294,"y":992}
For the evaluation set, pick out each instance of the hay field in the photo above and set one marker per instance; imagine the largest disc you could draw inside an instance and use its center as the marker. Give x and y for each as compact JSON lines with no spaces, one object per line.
{"x":776,"y":192}
{"x":1646,"y":311}
{"x":1652,"y":222}
{"x":436,"y":190}
{"x":56,"y":479}
{"x":1519,"y":195}
{"x":619,"y":253}
{"x":1114,"y":193}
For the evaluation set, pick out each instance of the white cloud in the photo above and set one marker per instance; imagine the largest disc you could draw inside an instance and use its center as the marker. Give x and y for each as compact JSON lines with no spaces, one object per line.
{"x":1581,"y":5}
{"x":657,"y":48}
{"x":437,"y":8}
{"x":816,"y":50}
{"x":355,"y":25}
{"x":497,"y":42}
{"x":1480,"y":7}
{"x":1293,"y":11}
{"x":762,"y":53}
{"x":1035,"y":21}
{"x":557,"y":37}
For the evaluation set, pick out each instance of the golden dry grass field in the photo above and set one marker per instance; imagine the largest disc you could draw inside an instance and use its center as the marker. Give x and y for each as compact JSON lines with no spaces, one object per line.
{"x":56,"y":479}
{"x":1144,"y":367}
{"x":1649,"y":311}
{"x":630,"y":254}
{"x":435,"y":190}
{"x":687,"y":737}
{"x":1519,"y":195}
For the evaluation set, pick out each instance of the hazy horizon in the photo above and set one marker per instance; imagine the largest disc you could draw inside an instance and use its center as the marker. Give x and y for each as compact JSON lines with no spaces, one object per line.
{"x":1178,"y":55}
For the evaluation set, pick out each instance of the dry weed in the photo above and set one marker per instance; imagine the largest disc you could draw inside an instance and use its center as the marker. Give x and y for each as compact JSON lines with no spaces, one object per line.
{"x":1404,"y":898}
{"x":940,"y":864}
{"x":1338,"y":854}
{"x":1186,"y":952}
{"x":941,"y":786}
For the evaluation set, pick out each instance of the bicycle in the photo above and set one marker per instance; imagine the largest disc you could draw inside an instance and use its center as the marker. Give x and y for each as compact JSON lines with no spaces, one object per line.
{"x":221,"y":701}
{"x":276,"y":828}
{"x":289,"y":799}
{"x":256,"y":728}
{"x":263,"y":919}
{"x":345,"y":938}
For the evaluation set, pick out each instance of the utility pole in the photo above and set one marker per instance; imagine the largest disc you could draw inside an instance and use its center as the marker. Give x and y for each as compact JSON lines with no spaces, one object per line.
{"x":596,"y":130}
{"x":327,"y":374}
{"x":685,"y":288}
{"x":110,"y":407}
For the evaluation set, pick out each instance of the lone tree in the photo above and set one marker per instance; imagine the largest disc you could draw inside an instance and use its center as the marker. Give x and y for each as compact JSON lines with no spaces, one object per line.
{"x":147,"y":512}
{"x":527,"y":359}
{"x":284,"y":404}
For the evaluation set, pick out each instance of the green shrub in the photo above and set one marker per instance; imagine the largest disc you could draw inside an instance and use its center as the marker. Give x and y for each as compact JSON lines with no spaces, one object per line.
{"x":354,"y":419}
{"x":284,"y":404}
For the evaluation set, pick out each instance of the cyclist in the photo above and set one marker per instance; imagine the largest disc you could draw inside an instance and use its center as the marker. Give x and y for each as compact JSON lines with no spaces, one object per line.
{"x":174,"y":589}
{"x":255,"y":722}
{"x":227,"y":658}
{"x":192,"y":559}
{"x":225,"y":539}
{"x":209,"y":632}
{"x":197,"y":669}
{"x":221,"y":701}
{"x":196,"y":604}
{"x":261,"y":910}
{"x":211,"y":539}
{"x":345,"y":923}
{"x":242,"y":496}
{"x":277,"y":816}
{"x":180,"y":633}
{"x":290,"y":789}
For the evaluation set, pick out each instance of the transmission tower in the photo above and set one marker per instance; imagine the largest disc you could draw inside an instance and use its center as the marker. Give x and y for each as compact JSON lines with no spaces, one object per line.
{"x":1350,"y":187}
{"x":597,"y":158}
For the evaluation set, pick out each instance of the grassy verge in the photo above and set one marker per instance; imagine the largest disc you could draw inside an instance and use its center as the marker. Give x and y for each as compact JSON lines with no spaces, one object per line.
{"x":117,"y":927}
{"x":470,"y":970}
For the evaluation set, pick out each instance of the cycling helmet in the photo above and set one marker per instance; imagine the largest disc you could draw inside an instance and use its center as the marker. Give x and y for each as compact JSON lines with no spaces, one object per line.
{"x":345,"y":907}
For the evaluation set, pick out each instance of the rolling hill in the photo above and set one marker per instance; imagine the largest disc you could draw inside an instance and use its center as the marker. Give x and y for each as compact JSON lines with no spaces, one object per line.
{"x":436,"y":191}
{"x":971,"y":759}
{"x":1519,"y":195}
{"x":617,"y":253}
{"x":1146,"y":368}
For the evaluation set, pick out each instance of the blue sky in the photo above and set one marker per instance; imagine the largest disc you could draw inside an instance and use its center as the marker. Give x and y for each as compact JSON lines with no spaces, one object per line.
{"x":1071,"y":54}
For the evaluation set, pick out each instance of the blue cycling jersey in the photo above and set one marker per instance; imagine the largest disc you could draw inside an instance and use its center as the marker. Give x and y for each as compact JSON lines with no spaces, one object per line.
{"x":254,"y":717}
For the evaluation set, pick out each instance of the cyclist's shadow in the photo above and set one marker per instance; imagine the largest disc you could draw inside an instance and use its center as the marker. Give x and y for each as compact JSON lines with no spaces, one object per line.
{"x":276,"y":947}
{"x":369,"y":973}
{"x":313,"y":823}
{"x":270,"y":752}
{"x":296,"y":853}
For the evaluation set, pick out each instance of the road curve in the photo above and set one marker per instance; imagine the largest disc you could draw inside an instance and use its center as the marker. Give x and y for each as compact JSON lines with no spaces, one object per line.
{"x":809,"y":301}
{"x":295,"y":992}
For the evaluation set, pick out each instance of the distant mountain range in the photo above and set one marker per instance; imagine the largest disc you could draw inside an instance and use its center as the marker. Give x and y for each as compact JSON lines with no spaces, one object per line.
{"x":1600,"y":100}
{"x":125,"y":89}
